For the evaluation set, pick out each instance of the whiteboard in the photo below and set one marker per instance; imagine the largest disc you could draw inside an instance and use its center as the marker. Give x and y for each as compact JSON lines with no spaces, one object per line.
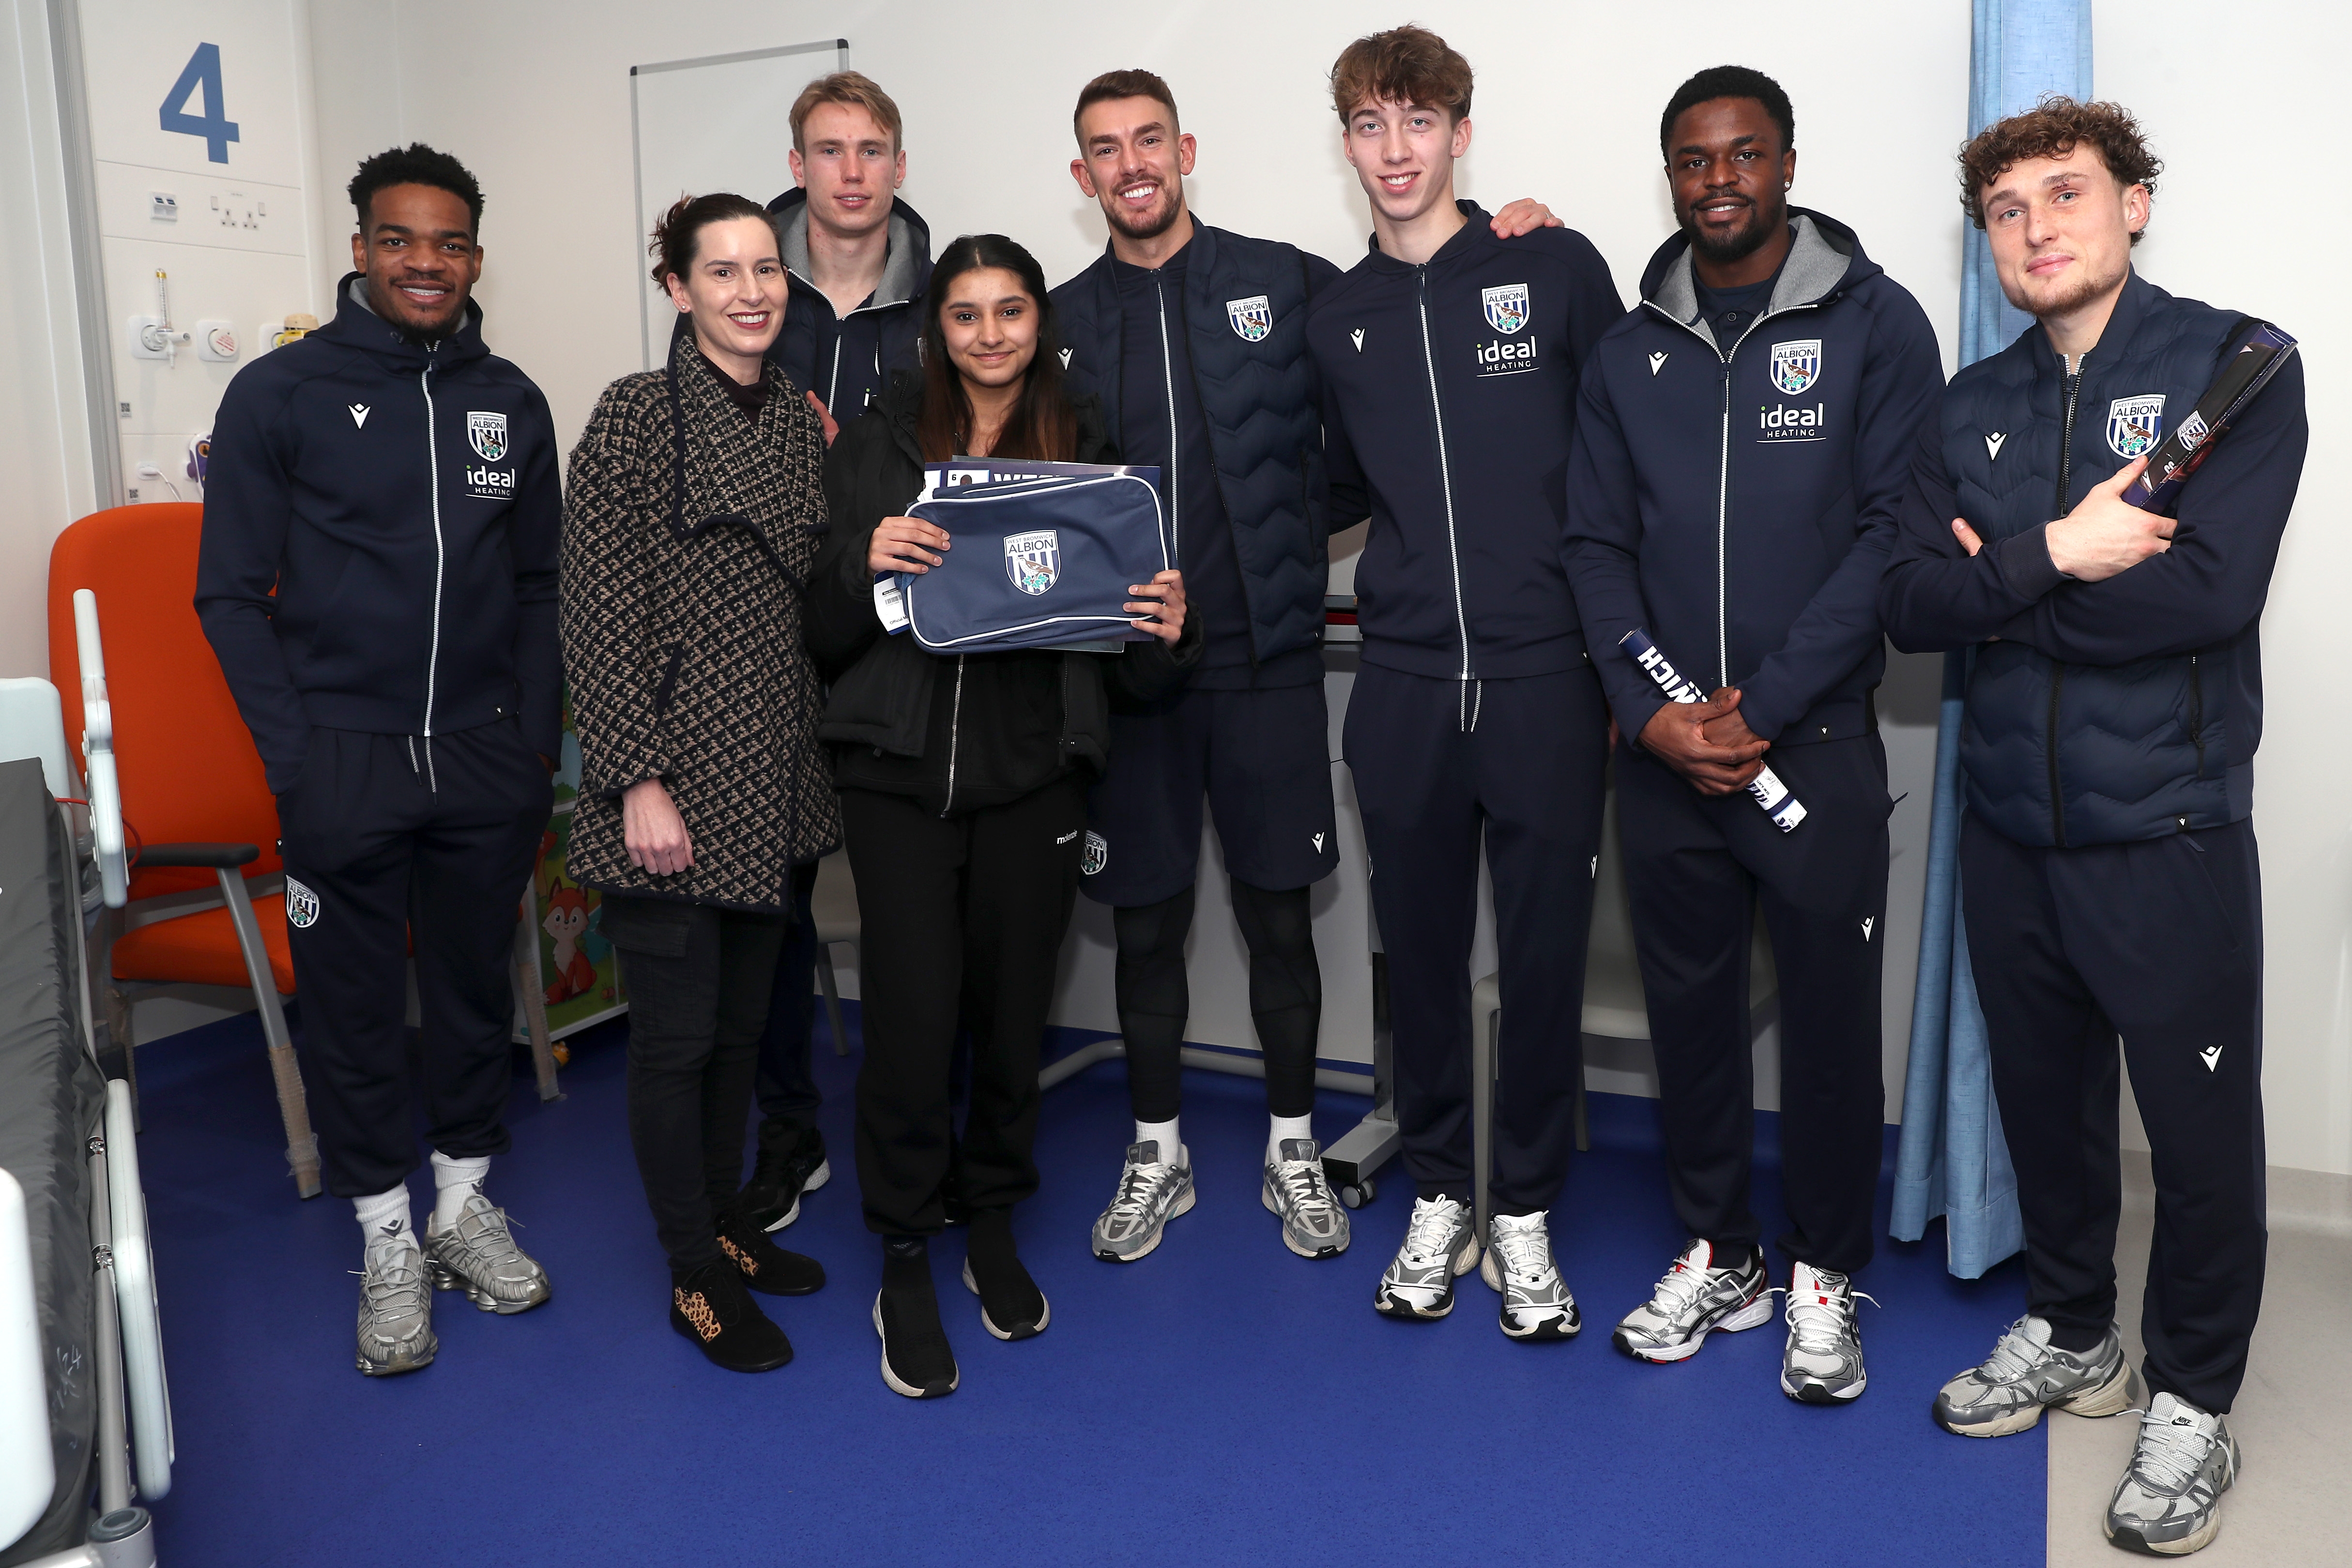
{"x":721,"y":122}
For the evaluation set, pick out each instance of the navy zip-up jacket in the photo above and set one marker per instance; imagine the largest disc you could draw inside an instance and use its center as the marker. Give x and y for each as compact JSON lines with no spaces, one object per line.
{"x":1739,"y":505}
{"x":847,"y":360}
{"x":382,"y":520}
{"x":2107,"y":712}
{"x":1245,"y":316}
{"x":1450,"y":392}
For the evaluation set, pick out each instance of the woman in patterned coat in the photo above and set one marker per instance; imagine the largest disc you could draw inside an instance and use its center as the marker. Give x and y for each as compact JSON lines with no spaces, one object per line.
{"x":692,"y":517}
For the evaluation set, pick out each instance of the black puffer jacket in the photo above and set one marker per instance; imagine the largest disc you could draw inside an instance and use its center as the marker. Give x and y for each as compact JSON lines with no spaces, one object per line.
{"x":972,"y":730}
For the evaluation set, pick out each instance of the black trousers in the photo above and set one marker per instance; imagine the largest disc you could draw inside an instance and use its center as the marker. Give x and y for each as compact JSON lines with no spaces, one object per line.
{"x":2162,"y":941}
{"x":960,"y":922}
{"x":1438,"y":764}
{"x":699,"y":979}
{"x":786,"y":1085}
{"x":389,"y":835}
{"x":1695,"y":868}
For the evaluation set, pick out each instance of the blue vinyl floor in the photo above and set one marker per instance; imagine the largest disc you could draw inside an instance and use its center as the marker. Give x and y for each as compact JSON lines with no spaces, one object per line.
{"x":1220,"y":1402}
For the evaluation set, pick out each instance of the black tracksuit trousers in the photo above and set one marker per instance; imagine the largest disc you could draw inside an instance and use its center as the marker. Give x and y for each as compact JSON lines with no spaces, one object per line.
{"x":699,"y":979}
{"x":1439,"y":764}
{"x":1697,"y":867}
{"x":2162,"y":941}
{"x":786,"y":1084}
{"x":397,"y":836}
{"x":960,"y":924}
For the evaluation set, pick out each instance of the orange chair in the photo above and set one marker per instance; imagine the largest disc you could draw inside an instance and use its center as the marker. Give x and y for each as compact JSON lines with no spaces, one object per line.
{"x":194,"y":802}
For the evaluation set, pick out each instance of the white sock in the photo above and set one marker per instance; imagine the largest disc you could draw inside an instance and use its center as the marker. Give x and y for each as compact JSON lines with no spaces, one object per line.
{"x":1173,"y":1151}
{"x":385,"y":1210}
{"x":454,"y":1182}
{"x":1287,"y":1127}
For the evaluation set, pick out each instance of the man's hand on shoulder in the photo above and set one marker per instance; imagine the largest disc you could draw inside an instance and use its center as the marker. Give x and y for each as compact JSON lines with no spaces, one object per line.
{"x":2105,"y":534}
{"x":1524,"y":216}
{"x":1678,"y":735}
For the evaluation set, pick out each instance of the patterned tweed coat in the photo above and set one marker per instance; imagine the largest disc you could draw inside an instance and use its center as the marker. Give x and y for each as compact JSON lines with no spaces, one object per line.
{"x":688,"y":532}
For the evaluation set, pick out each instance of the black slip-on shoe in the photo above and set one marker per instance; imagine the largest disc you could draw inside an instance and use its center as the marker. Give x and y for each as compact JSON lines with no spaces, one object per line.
{"x":1011,"y":1305}
{"x":916,"y":1360}
{"x":710,"y":1307}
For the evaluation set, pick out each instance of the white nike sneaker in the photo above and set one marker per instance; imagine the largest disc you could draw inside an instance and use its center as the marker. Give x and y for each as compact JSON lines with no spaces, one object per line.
{"x":1440,"y":1242}
{"x":1536,"y":1300}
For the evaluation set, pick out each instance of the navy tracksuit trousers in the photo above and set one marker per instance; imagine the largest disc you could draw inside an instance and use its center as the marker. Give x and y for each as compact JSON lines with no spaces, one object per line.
{"x":396,"y":834}
{"x":2159,"y":940}
{"x":1439,"y":764}
{"x":1697,"y":867}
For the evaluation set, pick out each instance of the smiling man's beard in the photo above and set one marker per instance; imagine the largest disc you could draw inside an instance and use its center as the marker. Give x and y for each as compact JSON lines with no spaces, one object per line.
{"x":2069,"y":297}
{"x":1761,"y":226}
{"x":1148,"y":225}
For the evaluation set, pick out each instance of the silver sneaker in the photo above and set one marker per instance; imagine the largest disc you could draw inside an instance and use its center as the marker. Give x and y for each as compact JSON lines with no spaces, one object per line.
{"x":1695,"y":1299}
{"x":1536,"y":1300}
{"x":2170,"y":1501}
{"x":1313,"y":1223}
{"x":395,"y":1309}
{"x":2026,"y":1374}
{"x":478,"y":1255}
{"x":1441,"y":1240}
{"x":1822,"y":1363}
{"x":1151,"y":1192}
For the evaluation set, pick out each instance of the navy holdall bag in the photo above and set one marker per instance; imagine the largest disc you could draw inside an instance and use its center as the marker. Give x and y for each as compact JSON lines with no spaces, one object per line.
{"x":1039,"y":563}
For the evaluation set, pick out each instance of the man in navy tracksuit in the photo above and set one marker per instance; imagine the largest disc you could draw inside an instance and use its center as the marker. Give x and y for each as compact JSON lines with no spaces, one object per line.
{"x":2108,"y":870}
{"x":378,"y":579}
{"x":1743,"y":443}
{"x":1450,"y":360}
{"x":858,"y":260}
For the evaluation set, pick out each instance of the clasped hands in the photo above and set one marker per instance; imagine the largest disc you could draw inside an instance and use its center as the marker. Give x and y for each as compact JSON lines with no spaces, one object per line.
{"x":1707,"y":743}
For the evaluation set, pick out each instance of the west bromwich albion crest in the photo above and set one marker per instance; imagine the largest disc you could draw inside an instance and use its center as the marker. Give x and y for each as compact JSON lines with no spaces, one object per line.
{"x":1796,"y":366}
{"x":1506,"y":305}
{"x":2134,"y":424}
{"x":488,"y":431}
{"x":1033,"y":562}
{"x":1253,"y":317}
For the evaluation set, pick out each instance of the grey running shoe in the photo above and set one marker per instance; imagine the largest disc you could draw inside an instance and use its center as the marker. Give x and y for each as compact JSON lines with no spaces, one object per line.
{"x":1150,"y":1193}
{"x":1313,"y":1223}
{"x":395,"y":1309}
{"x":1694,"y":1301}
{"x":1440,"y":1242}
{"x":2170,"y":1503}
{"x":478,"y":1255}
{"x":2026,"y":1374}
{"x":1536,"y":1300}
{"x":1822,"y":1365}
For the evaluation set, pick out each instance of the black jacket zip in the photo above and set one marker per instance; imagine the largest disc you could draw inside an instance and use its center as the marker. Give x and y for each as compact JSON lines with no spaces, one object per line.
{"x":2057,"y":669}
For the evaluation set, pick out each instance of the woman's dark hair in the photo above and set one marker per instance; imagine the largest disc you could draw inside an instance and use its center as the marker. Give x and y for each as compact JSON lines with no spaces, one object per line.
{"x":1041,"y":426}
{"x":675,"y":235}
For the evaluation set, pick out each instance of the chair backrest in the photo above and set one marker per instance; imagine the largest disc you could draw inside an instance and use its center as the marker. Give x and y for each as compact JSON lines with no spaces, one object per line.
{"x":190,"y":773}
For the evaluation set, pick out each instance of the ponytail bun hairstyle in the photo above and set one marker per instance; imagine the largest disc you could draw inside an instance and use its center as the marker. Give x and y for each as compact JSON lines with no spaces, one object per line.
{"x":674,"y":237}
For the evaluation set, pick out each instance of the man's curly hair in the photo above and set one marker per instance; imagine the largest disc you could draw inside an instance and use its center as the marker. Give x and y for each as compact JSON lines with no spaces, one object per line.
{"x":2053,"y":129}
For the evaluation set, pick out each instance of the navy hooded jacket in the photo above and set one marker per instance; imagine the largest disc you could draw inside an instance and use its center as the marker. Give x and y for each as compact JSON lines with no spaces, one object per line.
{"x":847,"y":359}
{"x":1739,"y":505}
{"x":2106,"y":711}
{"x":1449,"y":393}
{"x":380,"y":541}
{"x":1255,"y":386}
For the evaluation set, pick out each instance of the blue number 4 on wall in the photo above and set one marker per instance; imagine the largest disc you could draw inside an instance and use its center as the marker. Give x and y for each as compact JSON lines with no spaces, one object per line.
{"x":203,"y":70}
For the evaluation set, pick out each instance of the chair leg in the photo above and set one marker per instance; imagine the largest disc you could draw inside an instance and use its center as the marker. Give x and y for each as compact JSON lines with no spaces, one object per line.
{"x":832,"y":997}
{"x":293,"y":1107}
{"x":534,"y":1000}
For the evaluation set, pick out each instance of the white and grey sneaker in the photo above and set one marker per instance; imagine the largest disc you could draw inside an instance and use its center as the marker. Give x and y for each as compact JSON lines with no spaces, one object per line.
{"x":1536,"y":1300}
{"x":1313,"y":1223}
{"x":1441,"y":1240}
{"x":395,"y":1307}
{"x":1822,"y":1365}
{"x":1694,"y":1301}
{"x":2026,"y":1374}
{"x":2169,"y":1502}
{"x":477,"y":1254}
{"x":1151,"y":1192}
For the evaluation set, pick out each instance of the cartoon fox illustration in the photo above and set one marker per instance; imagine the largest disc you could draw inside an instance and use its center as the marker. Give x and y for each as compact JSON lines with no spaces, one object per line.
{"x":567,"y":918}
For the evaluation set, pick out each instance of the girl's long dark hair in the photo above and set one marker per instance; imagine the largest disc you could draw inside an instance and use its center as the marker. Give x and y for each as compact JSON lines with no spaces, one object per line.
{"x":1042,"y":425}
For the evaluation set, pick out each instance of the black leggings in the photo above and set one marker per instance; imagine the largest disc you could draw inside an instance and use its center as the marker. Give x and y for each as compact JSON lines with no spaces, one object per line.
{"x":1154,"y":997}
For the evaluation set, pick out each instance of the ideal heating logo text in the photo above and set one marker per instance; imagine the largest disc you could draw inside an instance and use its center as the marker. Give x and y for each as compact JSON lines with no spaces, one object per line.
{"x":1506,"y":357}
{"x":490,"y":484}
{"x":1780,"y":422}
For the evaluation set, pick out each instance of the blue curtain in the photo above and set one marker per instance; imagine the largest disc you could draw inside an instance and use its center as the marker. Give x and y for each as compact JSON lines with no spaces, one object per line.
{"x":1953,"y":1160}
